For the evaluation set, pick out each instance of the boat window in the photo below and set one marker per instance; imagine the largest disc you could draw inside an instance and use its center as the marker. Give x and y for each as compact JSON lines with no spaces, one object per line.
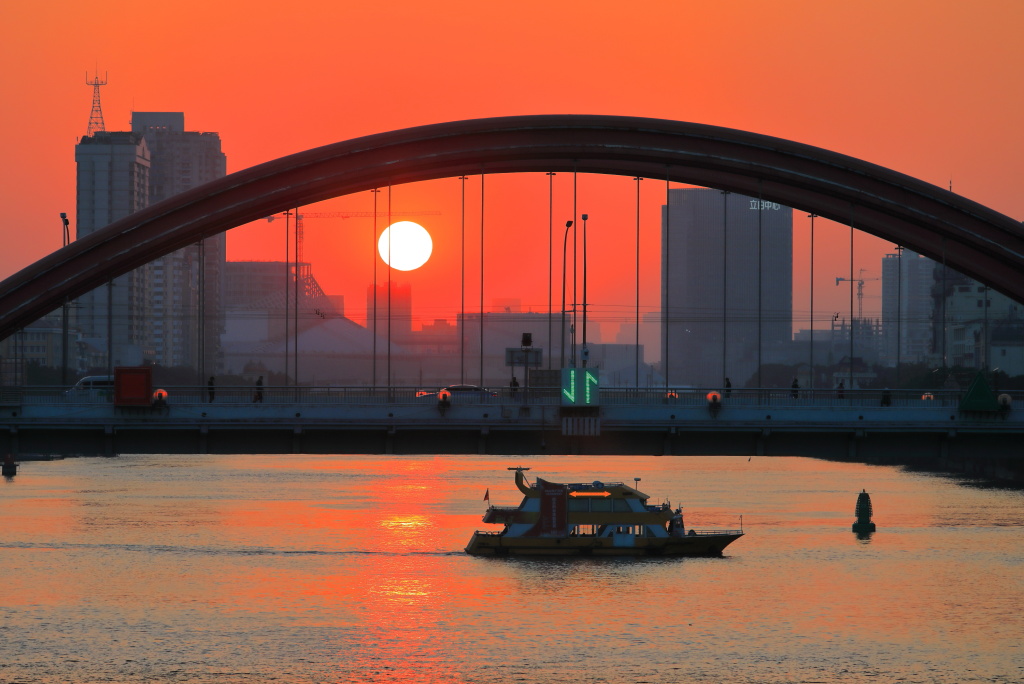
{"x":601,"y":505}
{"x":621,"y":505}
{"x":578,"y":505}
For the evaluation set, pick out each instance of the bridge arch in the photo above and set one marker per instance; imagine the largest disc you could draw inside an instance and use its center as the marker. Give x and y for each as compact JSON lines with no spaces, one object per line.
{"x":967,"y":236}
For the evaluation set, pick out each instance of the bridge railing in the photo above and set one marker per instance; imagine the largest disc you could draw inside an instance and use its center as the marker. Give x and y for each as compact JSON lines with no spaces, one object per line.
{"x":609,"y":396}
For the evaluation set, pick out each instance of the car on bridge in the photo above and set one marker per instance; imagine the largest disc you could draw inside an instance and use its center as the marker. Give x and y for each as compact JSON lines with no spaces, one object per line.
{"x":92,"y":388}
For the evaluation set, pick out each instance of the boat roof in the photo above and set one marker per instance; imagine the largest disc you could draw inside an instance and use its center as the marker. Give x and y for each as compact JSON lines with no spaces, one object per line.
{"x":616,"y":490}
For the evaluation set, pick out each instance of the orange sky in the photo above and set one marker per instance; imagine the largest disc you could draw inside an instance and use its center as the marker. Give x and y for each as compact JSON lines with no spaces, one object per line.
{"x":932,"y":89}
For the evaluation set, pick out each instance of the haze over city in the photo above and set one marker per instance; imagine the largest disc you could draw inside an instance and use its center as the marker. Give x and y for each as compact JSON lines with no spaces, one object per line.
{"x":920,"y":88}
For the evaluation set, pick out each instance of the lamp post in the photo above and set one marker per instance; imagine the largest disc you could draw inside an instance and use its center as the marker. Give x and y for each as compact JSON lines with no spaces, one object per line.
{"x":375,"y":191}
{"x":586,"y":351}
{"x":636,"y":369}
{"x":725,"y":281}
{"x":565,"y":238}
{"x":899,"y":305}
{"x":551,"y":181}
{"x":812,"y":217}
{"x":462,"y":305}
{"x":64,"y":313}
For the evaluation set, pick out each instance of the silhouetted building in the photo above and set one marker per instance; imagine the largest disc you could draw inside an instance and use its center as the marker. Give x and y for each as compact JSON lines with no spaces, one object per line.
{"x":186,"y":309}
{"x":112,"y":181}
{"x":907,"y":307}
{"x":260,"y":302}
{"x":727,"y":286}
{"x":397,"y":326}
{"x":158,"y":314}
{"x":975,"y":317}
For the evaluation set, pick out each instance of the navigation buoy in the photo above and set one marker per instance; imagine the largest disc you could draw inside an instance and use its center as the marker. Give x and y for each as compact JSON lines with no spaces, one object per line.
{"x":863,"y":513}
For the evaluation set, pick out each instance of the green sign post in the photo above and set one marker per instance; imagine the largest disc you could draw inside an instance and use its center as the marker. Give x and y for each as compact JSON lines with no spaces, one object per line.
{"x":580,"y":387}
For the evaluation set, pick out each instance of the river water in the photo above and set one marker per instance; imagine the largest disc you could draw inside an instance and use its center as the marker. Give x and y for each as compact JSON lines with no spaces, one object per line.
{"x":350,"y":569}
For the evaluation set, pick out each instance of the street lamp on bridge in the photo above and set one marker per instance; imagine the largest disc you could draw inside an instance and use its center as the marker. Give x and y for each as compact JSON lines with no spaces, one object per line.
{"x":565,"y":238}
{"x":586,"y":351}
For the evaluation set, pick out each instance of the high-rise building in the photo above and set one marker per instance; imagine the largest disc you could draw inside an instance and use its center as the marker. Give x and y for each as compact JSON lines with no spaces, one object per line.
{"x":727,"y":286}
{"x":186,"y":312}
{"x":396,"y":327}
{"x":159,"y":313}
{"x":974,"y":317}
{"x":113,"y":182}
{"x":907,"y":307}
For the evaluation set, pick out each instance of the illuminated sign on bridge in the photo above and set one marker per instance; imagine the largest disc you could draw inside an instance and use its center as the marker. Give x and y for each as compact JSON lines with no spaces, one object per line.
{"x":580,"y":387}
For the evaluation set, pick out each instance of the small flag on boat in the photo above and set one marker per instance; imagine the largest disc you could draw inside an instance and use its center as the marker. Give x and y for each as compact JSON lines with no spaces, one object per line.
{"x":487,"y":494}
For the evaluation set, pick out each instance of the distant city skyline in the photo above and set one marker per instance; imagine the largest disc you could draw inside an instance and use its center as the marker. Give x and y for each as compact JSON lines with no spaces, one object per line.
{"x":953,"y":121}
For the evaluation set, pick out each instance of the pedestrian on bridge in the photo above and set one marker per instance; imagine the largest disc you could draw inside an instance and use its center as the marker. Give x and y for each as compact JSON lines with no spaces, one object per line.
{"x":728,"y":387}
{"x":514,"y":387}
{"x":257,"y":397}
{"x":209,"y":387}
{"x":796,"y":389}
{"x":841,"y":390}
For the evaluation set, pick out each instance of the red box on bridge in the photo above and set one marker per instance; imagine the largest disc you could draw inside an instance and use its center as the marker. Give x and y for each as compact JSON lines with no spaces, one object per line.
{"x":133,"y":386}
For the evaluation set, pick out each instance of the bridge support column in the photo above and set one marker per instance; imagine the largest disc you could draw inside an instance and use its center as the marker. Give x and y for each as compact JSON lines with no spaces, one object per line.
{"x":944,"y":445}
{"x":108,"y":440}
{"x":853,"y":445}
{"x":204,"y":430}
{"x":297,"y":440}
{"x":668,"y":445}
{"x":481,"y":445}
{"x":762,"y":441}
{"x":13,"y":437}
{"x":389,"y":442}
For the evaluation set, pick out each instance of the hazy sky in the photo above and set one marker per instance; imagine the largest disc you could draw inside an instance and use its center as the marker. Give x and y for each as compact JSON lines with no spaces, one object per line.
{"x":932,"y":89}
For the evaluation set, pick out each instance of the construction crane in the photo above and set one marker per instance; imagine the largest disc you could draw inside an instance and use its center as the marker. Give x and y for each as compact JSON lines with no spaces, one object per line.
{"x":299,"y":230}
{"x":860,"y":290}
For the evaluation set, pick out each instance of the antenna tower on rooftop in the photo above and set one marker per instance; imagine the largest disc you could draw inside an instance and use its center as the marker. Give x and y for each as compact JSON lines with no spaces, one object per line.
{"x":96,"y":115}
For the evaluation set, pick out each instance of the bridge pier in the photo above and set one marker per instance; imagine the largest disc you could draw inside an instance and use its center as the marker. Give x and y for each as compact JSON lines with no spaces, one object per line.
{"x":481,"y":445}
{"x":944,"y":445}
{"x":853,"y":444}
{"x":204,"y":431}
{"x":668,"y":444}
{"x":297,"y":440}
{"x":13,"y":440}
{"x":108,"y":440}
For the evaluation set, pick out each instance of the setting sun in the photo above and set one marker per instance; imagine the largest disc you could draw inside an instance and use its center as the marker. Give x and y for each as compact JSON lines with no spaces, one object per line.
{"x":405,"y":245}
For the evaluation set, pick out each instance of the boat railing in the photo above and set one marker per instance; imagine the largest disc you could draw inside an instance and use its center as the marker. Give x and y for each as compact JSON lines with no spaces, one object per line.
{"x":711,"y":533}
{"x":585,"y":486}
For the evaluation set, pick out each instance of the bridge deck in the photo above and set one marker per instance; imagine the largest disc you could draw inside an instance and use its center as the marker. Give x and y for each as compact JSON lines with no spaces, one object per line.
{"x":629,"y":421}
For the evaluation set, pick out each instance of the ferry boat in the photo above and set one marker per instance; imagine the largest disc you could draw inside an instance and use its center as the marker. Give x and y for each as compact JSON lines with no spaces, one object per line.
{"x":595,"y":519}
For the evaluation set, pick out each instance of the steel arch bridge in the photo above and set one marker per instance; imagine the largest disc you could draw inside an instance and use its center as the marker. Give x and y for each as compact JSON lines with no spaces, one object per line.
{"x":965,"y":235}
